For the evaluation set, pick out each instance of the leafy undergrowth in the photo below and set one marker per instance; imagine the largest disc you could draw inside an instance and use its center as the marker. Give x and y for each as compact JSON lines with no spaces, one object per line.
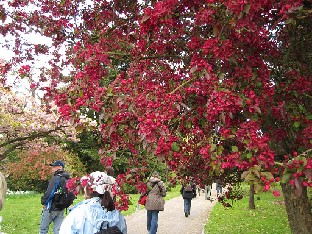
{"x":269,"y":217}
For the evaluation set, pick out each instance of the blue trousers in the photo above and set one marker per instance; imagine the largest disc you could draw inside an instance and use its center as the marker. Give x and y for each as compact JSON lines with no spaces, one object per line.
{"x":48,"y":217}
{"x":187,"y":205}
{"x":152,"y":221}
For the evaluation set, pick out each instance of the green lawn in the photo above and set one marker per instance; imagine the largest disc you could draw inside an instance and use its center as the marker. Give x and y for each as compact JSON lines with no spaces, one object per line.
{"x":269,"y":217}
{"x":21,"y":214}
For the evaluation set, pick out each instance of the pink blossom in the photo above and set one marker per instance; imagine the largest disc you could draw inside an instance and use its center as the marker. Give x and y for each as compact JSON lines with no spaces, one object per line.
{"x":266,"y":188}
{"x":276,"y":193}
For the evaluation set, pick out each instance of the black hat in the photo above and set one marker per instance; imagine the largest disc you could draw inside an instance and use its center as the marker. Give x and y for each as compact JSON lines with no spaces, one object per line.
{"x":58,"y":163}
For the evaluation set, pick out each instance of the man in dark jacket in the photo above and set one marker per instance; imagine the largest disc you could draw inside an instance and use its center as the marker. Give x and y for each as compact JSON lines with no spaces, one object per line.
{"x":188,"y":192}
{"x":50,"y":213}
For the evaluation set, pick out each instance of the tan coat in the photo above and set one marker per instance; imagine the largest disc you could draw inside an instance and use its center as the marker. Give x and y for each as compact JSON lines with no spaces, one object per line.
{"x":155,"y":198}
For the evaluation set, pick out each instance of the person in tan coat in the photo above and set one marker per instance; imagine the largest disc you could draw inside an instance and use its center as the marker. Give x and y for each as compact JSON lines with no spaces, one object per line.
{"x":154,"y":202}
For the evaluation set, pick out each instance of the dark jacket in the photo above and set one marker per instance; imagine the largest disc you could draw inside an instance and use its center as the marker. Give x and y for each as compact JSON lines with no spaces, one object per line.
{"x":51,"y":185}
{"x":186,"y":195}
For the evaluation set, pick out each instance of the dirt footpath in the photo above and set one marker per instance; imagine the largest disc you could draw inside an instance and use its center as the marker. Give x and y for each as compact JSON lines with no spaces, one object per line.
{"x":172,"y":220}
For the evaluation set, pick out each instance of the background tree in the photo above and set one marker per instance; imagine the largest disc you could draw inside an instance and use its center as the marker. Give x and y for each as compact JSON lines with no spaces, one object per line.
{"x":207,"y":87}
{"x":30,"y":139}
{"x":87,"y":149}
{"x":23,"y":122}
{"x":30,"y":170}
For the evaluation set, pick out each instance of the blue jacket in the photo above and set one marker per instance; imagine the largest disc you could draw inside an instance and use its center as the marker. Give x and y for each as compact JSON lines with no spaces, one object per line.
{"x":87,"y":216}
{"x":47,"y":198}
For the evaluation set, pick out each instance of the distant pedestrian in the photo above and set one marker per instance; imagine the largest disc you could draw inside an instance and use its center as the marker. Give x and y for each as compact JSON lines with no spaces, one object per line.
{"x":188,"y":191}
{"x":208,"y":192}
{"x":218,"y":187}
{"x":50,"y":213}
{"x":198,"y":189}
{"x":155,"y":201}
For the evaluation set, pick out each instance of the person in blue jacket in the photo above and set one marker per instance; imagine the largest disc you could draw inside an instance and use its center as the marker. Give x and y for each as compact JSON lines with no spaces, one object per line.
{"x":97,"y":213}
{"x":50,"y":213}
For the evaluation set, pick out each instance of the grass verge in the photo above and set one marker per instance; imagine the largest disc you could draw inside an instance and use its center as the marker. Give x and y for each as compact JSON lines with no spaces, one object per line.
{"x":269,"y":216}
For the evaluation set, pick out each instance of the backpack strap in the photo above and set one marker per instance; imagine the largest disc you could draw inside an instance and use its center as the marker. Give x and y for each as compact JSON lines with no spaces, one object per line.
{"x":48,"y":203}
{"x":62,"y":180}
{"x":104,"y":225}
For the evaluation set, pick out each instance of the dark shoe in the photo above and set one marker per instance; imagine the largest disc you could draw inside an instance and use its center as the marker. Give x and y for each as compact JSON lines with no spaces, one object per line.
{"x":186,"y":214}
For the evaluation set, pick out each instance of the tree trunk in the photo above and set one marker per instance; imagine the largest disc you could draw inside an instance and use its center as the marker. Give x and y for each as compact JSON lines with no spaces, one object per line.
{"x":252,"y":205}
{"x":298,"y":209}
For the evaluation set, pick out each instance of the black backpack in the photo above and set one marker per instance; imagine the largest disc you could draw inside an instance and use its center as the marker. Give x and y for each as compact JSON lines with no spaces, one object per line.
{"x":110,"y":230}
{"x":188,"y":188}
{"x":188,"y":192}
{"x":62,"y":197}
{"x":106,"y":229}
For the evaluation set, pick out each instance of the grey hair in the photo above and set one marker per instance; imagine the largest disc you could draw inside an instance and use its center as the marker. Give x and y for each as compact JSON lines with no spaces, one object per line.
{"x":3,"y":189}
{"x":156,"y":174}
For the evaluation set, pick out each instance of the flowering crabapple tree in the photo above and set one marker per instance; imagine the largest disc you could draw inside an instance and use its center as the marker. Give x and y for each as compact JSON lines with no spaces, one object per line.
{"x":24,"y":123}
{"x":208,"y":87}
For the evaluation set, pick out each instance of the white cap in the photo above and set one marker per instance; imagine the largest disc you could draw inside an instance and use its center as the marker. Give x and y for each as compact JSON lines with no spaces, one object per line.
{"x":101,"y":182}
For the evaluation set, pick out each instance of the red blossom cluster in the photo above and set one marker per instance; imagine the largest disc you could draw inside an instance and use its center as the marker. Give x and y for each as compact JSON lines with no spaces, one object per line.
{"x":72,"y":184}
{"x":301,"y":170}
{"x":24,"y":70}
{"x":107,"y":161}
{"x":232,"y":194}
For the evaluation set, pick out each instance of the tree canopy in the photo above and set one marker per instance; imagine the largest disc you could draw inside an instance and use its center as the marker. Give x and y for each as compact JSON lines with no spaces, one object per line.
{"x":206,"y":86}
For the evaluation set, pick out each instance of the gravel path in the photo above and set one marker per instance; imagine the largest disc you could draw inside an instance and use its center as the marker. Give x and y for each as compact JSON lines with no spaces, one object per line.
{"x":172,"y":219}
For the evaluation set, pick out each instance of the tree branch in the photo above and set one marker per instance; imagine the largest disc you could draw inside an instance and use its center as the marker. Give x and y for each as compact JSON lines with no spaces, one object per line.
{"x":32,"y":136}
{"x":19,"y":141}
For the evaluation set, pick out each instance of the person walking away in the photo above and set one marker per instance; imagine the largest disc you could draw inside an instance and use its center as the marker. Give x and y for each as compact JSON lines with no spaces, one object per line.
{"x":188,"y":191}
{"x":208,"y":192}
{"x":96,"y":215}
{"x":155,"y":201}
{"x":218,"y":187}
{"x":50,"y":213}
{"x":198,"y":189}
